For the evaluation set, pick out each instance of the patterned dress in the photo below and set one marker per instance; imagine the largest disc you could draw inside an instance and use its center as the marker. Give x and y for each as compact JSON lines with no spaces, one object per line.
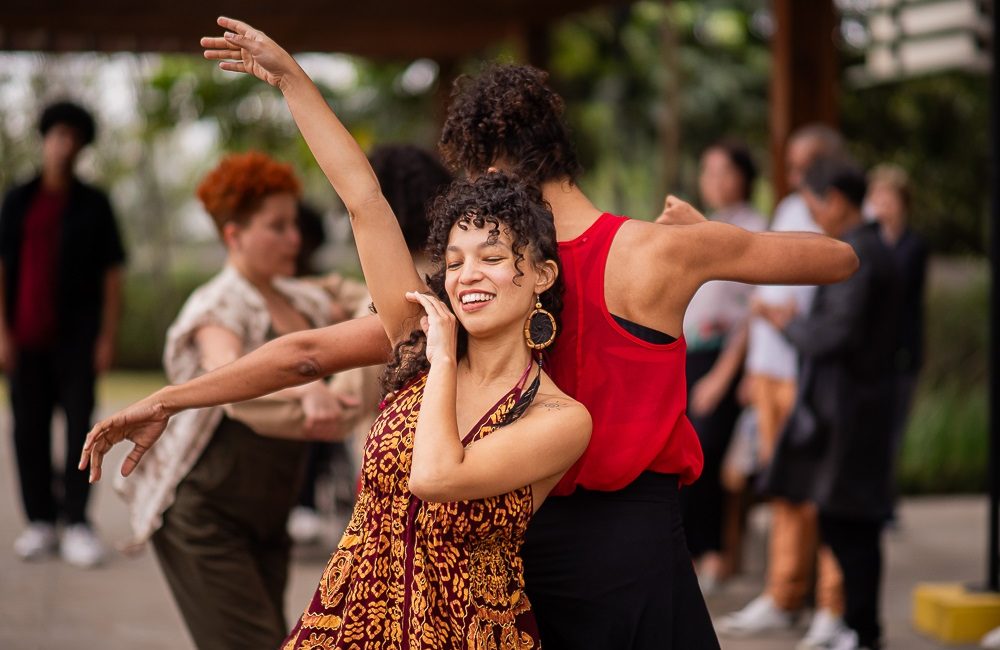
{"x":413,"y":575}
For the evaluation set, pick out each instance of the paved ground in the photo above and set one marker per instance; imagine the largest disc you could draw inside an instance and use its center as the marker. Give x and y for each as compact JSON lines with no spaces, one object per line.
{"x":126,"y":605}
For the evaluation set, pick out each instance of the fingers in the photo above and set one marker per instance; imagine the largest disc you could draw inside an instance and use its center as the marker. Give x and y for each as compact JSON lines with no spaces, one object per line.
{"x":233,"y":66}
{"x":237,"y":26}
{"x":96,"y":460}
{"x":217,"y":43}
{"x":133,"y":459}
{"x":85,"y":452}
{"x":432,"y":305}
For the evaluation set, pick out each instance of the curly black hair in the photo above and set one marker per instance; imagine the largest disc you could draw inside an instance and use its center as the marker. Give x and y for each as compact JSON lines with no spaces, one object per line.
{"x":410,"y":178}
{"x":509,"y":114}
{"x":496,"y":201}
{"x":72,"y":115}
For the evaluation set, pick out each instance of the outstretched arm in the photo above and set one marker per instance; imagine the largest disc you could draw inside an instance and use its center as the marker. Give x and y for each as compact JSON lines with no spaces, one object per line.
{"x":385,"y":259}
{"x":289,"y":360}
{"x":718,"y":251}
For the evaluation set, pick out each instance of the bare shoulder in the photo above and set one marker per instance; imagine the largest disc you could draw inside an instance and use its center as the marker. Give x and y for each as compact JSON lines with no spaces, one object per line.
{"x":550,"y":401}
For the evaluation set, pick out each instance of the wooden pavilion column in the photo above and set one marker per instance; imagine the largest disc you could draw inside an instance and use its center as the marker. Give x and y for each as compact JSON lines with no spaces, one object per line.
{"x":805,"y":74}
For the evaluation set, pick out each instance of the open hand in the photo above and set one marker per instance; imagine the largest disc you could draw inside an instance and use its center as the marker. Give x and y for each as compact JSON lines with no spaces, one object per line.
{"x":439,"y":324}
{"x":244,"y":49}
{"x":142,"y":423}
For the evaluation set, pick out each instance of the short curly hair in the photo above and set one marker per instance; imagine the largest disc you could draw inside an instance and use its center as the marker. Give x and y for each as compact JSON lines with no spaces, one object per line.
{"x":239,"y":184}
{"x":72,"y":115}
{"x":494,"y":201}
{"x":509,"y":114}
{"x":410,"y":178}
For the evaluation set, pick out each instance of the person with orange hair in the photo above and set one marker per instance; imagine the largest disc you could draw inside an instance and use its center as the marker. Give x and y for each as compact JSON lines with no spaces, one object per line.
{"x":216,"y":498}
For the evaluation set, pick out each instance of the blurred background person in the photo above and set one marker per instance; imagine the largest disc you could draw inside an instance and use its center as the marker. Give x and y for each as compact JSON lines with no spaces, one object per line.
{"x":215,"y":497}
{"x":772,"y":372}
{"x":889,"y":203}
{"x":715,"y":331}
{"x":62,"y":259}
{"x":836,"y":450}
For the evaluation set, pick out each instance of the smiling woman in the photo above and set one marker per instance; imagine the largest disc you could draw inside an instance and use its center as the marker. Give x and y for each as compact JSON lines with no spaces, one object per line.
{"x":473,"y":435}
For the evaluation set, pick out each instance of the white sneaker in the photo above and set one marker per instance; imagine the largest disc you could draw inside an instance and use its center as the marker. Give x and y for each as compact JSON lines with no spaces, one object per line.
{"x":760,"y":615}
{"x":825,"y":627}
{"x":36,"y":542}
{"x":992,"y":639}
{"x":846,"y":639}
{"x":304,"y":525}
{"x":81,"y":547}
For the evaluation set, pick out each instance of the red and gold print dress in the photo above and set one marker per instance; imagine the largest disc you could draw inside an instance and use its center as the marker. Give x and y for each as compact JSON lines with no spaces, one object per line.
{"x":414,"y":575}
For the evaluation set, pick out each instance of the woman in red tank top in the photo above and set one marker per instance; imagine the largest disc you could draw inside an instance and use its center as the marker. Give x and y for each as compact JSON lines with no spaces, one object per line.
{"x":622,"y":354}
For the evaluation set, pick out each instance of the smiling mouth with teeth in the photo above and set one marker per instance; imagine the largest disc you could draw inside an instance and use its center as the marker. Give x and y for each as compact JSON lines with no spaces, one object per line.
{"x":476,"y":297}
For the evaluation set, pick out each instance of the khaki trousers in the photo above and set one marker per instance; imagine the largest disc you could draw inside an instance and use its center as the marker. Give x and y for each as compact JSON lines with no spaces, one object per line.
{"x":792,"y":549}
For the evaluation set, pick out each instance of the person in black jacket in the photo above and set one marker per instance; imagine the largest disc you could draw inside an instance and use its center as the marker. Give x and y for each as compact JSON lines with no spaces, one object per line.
{"x":889,"y":202}
{"x":836,"y":448}
{"x":60,"y":276}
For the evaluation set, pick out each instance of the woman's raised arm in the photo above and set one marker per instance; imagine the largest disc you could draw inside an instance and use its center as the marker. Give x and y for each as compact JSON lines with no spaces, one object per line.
{"x":385,"y":259}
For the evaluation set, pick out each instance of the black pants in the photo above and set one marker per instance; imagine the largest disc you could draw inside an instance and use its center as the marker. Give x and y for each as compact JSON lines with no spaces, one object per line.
{"x":703,"y":502}
{"x":611,"y":571}
{"x":41,"y":380}
{"x":857,"y":545}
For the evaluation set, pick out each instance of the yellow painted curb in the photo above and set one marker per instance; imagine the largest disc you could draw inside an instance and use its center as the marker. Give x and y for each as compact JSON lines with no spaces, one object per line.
{"x":950,"y":613}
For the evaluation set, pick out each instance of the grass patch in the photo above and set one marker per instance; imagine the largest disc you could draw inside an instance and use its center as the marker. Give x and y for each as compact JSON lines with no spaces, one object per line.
{"x":946,"y":445}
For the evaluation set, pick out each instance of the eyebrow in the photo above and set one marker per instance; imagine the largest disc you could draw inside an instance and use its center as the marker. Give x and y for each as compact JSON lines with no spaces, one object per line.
{"x":483,"y":245}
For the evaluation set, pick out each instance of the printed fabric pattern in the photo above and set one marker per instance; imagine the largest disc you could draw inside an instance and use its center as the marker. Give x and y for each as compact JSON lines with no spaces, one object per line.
{"x":416,"y":575}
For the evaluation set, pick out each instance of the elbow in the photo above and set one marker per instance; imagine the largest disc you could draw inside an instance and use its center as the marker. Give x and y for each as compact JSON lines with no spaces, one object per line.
{"x":848,"y":262}
{"x":428,"y":488}
{"x":305,"y":353}
{"x":364,"y":201}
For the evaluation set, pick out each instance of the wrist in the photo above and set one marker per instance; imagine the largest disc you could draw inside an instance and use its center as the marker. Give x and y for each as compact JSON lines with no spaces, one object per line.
{"x":444,"y":361}
{"x":294,"y":80}
{"x":164,"y":401}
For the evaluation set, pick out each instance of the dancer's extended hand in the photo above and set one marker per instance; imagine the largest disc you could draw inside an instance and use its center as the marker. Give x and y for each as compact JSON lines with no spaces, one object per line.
{"x":142,"y":423}
{"x":439,"y":324}
{"x":245,"y":49}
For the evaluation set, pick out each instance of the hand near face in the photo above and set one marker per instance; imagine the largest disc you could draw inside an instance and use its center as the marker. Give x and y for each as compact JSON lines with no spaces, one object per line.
{"x":440,"y":326}
{"x":244,"y":49}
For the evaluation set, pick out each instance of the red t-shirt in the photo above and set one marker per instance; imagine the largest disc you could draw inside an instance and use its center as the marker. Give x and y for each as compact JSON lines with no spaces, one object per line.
{"x":635,"y":390}
{"x":35,"y":319}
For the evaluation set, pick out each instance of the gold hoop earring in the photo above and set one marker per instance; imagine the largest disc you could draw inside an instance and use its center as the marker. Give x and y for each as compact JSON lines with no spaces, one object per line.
{"x":540,"y":328}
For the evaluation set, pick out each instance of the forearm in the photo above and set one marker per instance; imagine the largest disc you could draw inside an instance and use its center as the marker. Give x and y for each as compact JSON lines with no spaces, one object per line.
{"x":730,"y":361}
{"x":804,"y":258}
{"x":437,"y":450}
{"x":112,"y":308}
{"x":334,"y":148}
{"x":290,"y":360}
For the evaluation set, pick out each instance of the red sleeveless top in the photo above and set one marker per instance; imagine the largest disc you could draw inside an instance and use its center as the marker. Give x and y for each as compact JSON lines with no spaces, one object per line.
{"x":635,"y":390}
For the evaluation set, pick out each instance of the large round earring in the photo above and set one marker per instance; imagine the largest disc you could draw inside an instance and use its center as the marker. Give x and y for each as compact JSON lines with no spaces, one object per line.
{"x":540,"y":328}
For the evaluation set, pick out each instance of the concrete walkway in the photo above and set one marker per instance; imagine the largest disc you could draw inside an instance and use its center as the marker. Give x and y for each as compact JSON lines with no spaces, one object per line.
{"x":126,"y":606}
